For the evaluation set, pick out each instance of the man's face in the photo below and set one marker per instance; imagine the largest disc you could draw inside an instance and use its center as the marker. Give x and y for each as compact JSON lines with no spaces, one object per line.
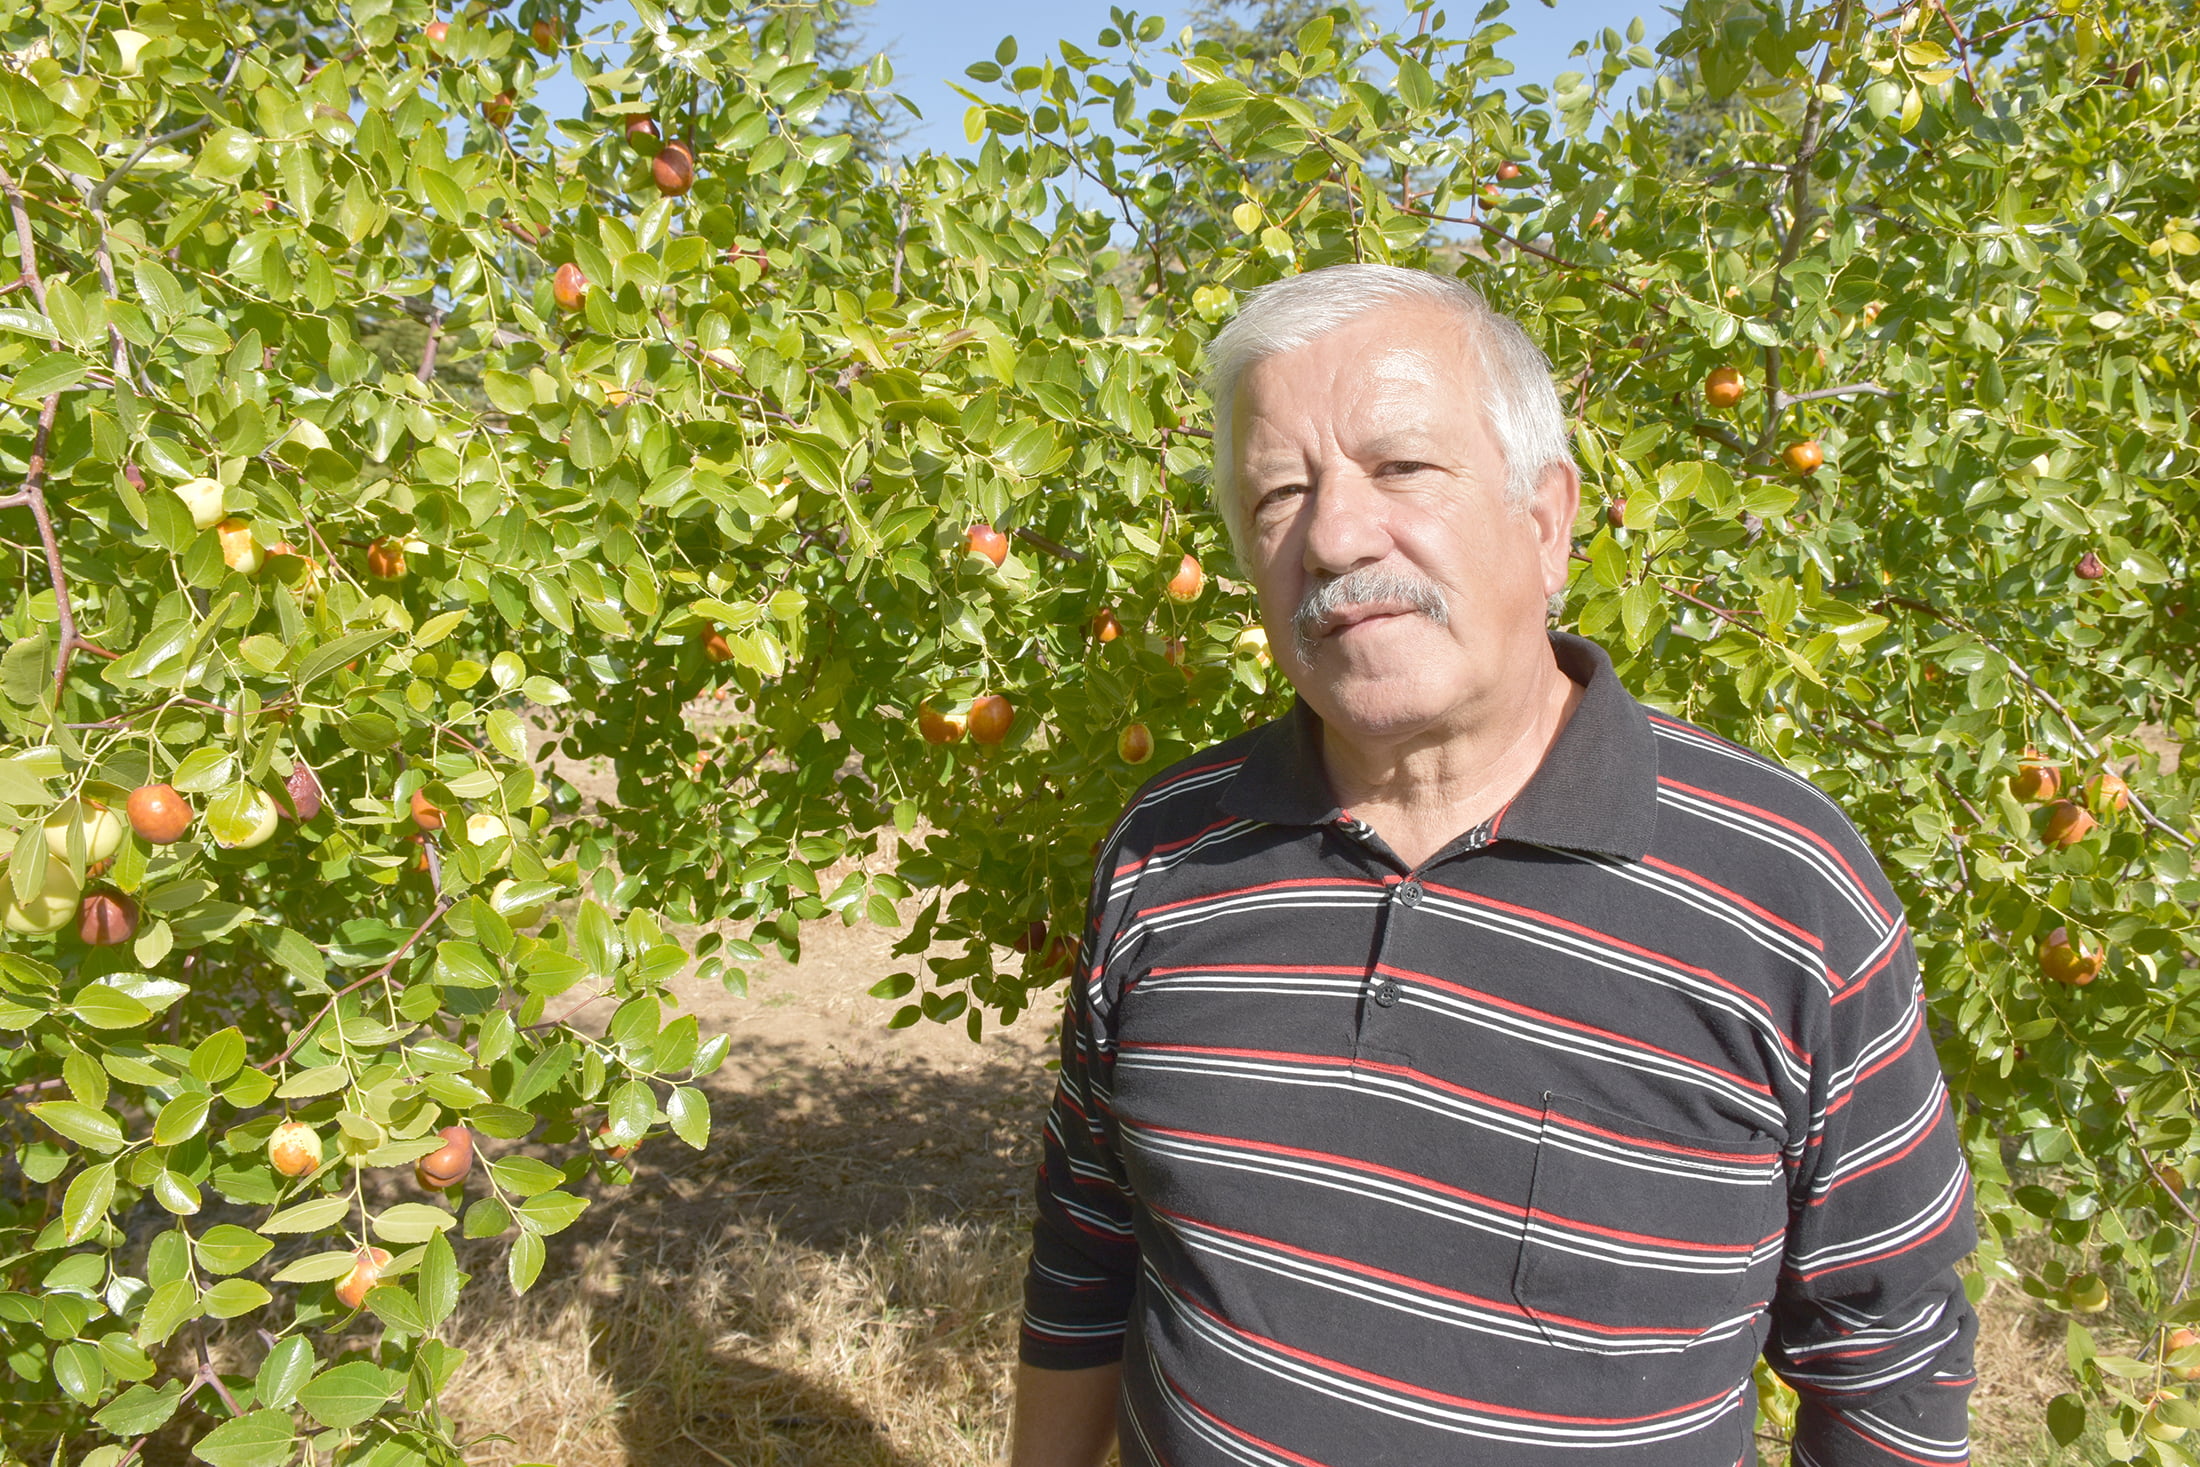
{"x":1365,"y":466}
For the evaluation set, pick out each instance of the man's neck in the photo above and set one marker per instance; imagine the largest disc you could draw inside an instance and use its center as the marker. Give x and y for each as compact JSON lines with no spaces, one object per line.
{"x":1420,"y":793}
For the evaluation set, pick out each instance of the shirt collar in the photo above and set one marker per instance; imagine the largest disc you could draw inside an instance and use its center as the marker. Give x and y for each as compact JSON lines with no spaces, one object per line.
{"x":1596,"y":789}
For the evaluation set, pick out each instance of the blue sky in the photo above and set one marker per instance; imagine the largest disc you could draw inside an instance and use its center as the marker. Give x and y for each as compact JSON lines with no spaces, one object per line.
{"x":931,"y":41}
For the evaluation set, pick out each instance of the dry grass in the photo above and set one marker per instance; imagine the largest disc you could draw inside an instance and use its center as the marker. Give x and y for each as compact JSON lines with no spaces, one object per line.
{"x":754,"y":1349}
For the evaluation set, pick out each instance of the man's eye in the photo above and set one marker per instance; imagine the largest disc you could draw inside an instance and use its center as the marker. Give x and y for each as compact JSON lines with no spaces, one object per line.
{"x":1276,"y":498}
{"x":1406,"y":466}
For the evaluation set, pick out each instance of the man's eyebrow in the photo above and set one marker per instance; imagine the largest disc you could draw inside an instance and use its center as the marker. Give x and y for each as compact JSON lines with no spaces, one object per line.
{"x":1406,"y":443}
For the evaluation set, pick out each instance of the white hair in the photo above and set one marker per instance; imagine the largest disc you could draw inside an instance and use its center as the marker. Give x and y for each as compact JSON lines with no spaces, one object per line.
{"x":1517,"y":396}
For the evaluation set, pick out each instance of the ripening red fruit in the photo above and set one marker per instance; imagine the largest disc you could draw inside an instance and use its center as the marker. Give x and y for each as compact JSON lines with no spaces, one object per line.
{"x":366,"y":1272}
{"x":1805,"y":457}
{"x":386,"y":559}
{"x":673,"y":169}
{"x":2034,"y":780}
{"x":436,"y":31}
{"x":447,"y":1165}
{"x":2107,"y":792}
{"x":937,"y":727}
{"x":641,"y":133}
{"x":1615,"y":513}
{"x":1723,"y":387}
{"x":1105,"y":628}
{"x":1507,"y":172}
{"x":715,"y":645}
{"x":990,"y":718}
{"x":294,"y":1149}
{"x":2067,"y":962}
{"x":425,"y":813}
{"x":2067,"y":824}
{"x":304,"y":791}
{"x":983,"y":539}
{"x":106,"y":919}
{"x":1031,"y":938}
{"x":497,"y":111}
{"x":2089,"y":567}
{"x":1134,"y":745}
{"x":569,"y":287}
{"x":1188,"y":581}
{"x":158,"y":814}
{"x":546,"y":33}
{"x":2182,"y":1339}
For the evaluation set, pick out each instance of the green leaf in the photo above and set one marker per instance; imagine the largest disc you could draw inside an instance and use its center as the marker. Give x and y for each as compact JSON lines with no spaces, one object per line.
{"x":316,"y":1268}
{"x":218,"y":1056}
{"x":524,"y":1176}
{"x":633,"y":1107}
{"x":326,"y":659}
{"x":256,"y":1439}
{"x":85,"y":1206}
{"x":79,"y":1123}
{"x":141,"y":1410}
{"x":438,"y":1281}
{"x":345,"y":1395}
{"x":288,"y":1365}
{"x":524,"y":1262}
{"x":104,"y":1007}
{"x":308,"y":1217}
{"x":689,"y":1112}
{"x":76,"y":1369}
{"x":412,"y":1222}
{"x":52,"y":373}
{"x":180,"y":1119}
{"x":232,"y":1297}
{"x":226,"y":1248}
{"x":166,"y":1310}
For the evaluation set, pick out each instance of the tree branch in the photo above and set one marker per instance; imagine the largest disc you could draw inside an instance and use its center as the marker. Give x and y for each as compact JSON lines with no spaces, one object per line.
{"x":1033,"y":538}
{"x":1542,"y":254}
{"x":1847,"y":389}
{"x":442,"y":905}
{"x":2077,"y":734}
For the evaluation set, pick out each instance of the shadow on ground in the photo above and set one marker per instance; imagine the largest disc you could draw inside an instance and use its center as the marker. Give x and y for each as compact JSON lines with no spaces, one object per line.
{"x":832,"y":1282}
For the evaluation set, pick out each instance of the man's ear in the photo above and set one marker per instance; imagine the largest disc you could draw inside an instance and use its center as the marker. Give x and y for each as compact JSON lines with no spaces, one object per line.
{"x":1552,"y":509}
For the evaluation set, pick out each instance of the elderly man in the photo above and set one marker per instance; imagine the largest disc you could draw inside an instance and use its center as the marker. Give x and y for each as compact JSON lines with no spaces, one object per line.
{"x":1474,"y":1065}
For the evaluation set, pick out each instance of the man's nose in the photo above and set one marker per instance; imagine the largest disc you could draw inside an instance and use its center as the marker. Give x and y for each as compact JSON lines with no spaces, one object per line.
{"x":1347,"y":525}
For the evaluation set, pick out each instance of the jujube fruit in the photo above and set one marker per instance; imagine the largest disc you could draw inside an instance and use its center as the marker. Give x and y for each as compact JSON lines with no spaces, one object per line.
{"x":983,"y":539}
{"x":990,"y":717}
{"x":294,"y":1149}
{"x":1723,"y":387}
{"x":2067,"y":962}
{"x":106,"y":919}
{"x":46,"y":909}
{"x":447,"y":1165}
{"x":425,"y":812}
{"x":366,"y":1272}
{"x":386,"y":559}
{"x":1105,"y":628}
{"x":158,"y":814}
{"x":673,"y":169}
{"x":2035,"y":780}
{"x":1188,"y":581}
{"x":1804,"y":457}
{"x":938,"y":727}
{"x":2067,"y":824}
{"x":1134,"y":745}
{"x":102,"y":829}
{"x":569,"y":287}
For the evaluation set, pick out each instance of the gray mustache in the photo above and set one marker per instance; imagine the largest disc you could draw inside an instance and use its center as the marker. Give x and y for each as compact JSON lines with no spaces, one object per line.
{"x":1369,"y":584}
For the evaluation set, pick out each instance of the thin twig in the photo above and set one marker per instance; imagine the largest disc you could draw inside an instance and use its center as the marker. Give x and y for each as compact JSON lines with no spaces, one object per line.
{"x":427,"y":353}
{"x":1034,"y":538}
{"x":1540,"y":253}
{"x":442,"y":905}
{"x":1847,"y":389}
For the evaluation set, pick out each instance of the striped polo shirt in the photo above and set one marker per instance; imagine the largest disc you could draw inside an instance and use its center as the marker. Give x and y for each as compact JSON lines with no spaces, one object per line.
{"x":1526,"y":1153}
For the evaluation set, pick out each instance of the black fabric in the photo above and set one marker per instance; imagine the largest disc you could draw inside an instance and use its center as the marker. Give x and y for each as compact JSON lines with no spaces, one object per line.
{"x":1527,"y":1152}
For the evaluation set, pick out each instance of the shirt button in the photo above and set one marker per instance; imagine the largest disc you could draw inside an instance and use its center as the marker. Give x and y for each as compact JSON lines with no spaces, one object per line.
{"x":1409,"y":895}
{"x":1386,"y":993}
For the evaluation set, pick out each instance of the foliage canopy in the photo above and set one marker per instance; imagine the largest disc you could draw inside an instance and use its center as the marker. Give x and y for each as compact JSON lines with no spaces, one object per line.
{"x":1948,"y":243}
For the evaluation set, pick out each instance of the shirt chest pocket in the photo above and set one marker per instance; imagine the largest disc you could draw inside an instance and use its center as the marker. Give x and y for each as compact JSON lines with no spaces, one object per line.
{"x":1638,"y":1240}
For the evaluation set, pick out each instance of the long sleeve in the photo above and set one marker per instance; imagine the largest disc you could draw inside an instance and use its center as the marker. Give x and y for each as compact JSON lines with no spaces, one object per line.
{"x":1084,"y":1258}
{"x":1870,"y":1325}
